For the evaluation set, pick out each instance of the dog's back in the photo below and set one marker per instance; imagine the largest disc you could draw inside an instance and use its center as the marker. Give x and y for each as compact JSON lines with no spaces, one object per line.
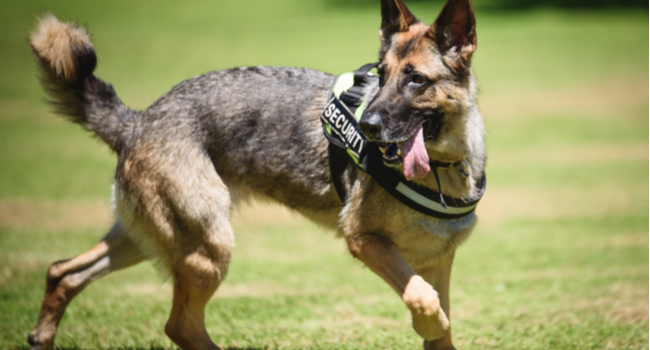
{"x":260,"y":127}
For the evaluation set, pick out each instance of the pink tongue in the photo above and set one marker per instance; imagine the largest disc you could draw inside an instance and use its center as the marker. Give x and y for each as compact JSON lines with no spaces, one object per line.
{"x":414,"y":156}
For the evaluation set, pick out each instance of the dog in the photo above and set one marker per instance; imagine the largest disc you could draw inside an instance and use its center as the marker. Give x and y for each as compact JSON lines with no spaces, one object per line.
{"x":219,"y":138}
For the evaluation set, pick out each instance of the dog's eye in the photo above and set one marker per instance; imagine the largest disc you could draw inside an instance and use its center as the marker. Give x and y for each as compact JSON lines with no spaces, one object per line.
{"x":417,"y":79}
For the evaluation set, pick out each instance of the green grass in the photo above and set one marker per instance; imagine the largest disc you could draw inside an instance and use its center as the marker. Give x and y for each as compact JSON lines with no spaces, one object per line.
{"x":559,"y":260}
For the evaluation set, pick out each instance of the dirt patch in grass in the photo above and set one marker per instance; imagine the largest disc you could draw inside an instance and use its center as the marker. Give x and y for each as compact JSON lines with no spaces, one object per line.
{"x":574,"y":155}
{"x":594,"y":99}
{"x":265,"y":213}
{"x":623,"y":303}
{"x":502,"y":204}
{"x":626,"y":304}
{"x":163,"y":290}
{"x":54,"y":215}
{"x":158,"y":291}
{"x":550,"y":275}
{"x":499,"y":205}
{"x":21,"y":108}
{"x":262,"y":290}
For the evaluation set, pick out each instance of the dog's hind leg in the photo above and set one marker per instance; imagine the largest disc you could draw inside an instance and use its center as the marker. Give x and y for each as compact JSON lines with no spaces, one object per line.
{"x":197,"y":275}
{"x":186,"y":325}
{"x":200,"y":259}
{"x":181,"y":209}
{"x":66,"y":279}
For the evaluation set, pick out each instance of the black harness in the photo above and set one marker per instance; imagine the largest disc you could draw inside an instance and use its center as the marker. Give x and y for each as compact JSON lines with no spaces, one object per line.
{"x":348,"y":99}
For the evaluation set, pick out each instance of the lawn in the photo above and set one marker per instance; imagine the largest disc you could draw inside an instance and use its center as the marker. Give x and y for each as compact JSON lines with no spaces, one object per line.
{"x":558,"y":261}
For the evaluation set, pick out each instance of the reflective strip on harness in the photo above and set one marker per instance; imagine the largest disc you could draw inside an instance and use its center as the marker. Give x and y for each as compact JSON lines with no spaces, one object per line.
{"x":433,"y":205}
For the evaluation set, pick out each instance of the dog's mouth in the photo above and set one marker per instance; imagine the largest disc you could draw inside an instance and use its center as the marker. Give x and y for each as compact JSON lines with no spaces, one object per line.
{"x":392,"y":153}
{"x":411,"y":152}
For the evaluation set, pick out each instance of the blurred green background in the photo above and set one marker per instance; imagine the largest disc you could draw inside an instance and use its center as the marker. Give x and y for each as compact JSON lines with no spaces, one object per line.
{"x":558,"y":261}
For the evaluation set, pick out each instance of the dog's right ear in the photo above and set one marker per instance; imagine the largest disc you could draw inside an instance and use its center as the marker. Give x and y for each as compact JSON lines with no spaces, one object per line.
{"x":395,"y":17}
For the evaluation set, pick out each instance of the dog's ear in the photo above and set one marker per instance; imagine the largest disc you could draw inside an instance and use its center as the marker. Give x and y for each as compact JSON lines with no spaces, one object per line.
{"x":395,"y":17}
{"x":455,"y":34}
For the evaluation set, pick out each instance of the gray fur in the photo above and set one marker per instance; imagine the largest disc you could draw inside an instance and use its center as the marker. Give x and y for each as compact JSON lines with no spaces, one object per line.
{"x":260,"y":127}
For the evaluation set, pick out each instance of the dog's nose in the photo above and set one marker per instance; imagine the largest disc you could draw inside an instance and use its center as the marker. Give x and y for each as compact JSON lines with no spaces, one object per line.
{"x":371,"y":125}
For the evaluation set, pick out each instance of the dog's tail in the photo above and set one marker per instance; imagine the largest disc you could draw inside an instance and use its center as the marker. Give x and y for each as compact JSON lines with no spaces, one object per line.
{"x":66,"y":59}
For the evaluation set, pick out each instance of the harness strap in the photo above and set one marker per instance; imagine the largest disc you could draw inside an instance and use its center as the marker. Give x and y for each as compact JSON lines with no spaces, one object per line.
{"x":442,"y":198}
{"x":339,"y":161}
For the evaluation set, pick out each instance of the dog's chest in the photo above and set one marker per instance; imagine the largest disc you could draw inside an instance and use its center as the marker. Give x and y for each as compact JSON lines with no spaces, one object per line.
{"x":418,"y":237}
{"x":425,"y":239}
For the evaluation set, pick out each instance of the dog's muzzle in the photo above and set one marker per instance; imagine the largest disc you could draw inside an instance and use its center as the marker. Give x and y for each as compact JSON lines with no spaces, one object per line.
{"x":371,"y":125}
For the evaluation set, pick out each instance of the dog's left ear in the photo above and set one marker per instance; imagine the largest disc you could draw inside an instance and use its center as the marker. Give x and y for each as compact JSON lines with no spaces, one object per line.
{"x":455,"y":34}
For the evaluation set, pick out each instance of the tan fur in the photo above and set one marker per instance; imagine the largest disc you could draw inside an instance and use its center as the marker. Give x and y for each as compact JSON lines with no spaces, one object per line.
{"x":154,"y":186}
{"x":53,"y":40}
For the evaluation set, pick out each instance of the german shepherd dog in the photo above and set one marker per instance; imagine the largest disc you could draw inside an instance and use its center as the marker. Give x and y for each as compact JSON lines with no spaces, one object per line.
{"x":213,"y":140}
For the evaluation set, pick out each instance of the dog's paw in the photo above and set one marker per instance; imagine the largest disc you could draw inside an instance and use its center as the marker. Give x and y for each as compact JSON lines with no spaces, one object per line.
{"x":435,"y":345}
{"x":439,"y":344}
{"x":429,"y":320}
{"x":36,"y":344}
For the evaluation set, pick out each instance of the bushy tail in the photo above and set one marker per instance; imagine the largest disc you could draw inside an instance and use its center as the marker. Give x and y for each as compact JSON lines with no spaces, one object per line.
{"x":66,"y":59}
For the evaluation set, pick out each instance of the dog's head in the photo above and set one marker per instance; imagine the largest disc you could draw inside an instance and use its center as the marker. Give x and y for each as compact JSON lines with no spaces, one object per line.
{"x":426,"y":86}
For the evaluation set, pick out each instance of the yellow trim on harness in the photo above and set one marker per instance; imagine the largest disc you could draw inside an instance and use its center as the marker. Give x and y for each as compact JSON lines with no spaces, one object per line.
{"x":343,"y":82}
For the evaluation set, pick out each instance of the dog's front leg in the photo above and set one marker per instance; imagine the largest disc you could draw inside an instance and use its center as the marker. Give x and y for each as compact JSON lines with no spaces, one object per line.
{"x":384,"y":259}
{"x":439,"y":276}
